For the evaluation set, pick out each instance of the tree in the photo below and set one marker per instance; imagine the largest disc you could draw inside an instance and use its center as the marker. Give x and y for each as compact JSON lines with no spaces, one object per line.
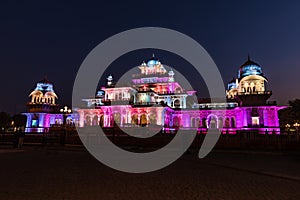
{"x":291,"y":114}
{"x":295,"y":108}
{"x":5,"y":121}
{"x":19,"y":120}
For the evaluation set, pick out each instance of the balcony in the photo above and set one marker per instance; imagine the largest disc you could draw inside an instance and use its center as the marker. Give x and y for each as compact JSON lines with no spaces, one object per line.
{"x":117,"y":102}
{"x":136,"y":76}
{"x":253,"y":93}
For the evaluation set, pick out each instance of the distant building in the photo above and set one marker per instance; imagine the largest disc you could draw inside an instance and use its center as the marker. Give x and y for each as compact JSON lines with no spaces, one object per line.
{"x":155,"y":98}
{"x":43,"y":111}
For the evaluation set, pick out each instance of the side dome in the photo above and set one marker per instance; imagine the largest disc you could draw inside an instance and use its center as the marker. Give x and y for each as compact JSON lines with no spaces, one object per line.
{"x":43,"y":93}
{"x":249,"y":68}
{"x":232,"y":84}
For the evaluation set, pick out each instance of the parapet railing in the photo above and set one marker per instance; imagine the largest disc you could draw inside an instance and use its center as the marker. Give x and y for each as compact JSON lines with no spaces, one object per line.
{"x":135,"y":76}
{"x":257,"y":92}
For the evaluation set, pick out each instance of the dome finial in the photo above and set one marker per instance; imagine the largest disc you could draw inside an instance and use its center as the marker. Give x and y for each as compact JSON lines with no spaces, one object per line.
{"x":248,"y":57}
{"x":45,"y":80}
{"x":153,"y":55}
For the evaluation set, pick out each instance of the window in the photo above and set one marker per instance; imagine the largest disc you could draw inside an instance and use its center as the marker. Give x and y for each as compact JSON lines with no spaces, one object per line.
{"x":34,"y":123}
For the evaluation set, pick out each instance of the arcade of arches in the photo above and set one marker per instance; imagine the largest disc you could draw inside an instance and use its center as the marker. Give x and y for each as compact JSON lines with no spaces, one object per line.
{"x":155,"y":116}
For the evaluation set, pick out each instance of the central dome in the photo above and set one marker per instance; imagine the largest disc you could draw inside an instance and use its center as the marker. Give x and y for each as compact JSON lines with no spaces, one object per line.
{"x":153,"y":61}
{"x":44,"y":86}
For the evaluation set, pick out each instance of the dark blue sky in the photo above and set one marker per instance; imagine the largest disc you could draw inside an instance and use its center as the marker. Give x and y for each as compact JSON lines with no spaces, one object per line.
{"x":52,"y":38}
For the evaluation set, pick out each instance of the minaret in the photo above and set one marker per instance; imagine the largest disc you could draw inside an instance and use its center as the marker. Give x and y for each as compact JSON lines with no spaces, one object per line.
{"x":171,"y":76}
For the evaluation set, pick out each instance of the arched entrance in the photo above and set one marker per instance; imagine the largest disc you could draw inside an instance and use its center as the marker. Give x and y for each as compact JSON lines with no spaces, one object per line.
{"x":152,"y":118}
{"x":192,"y":122}
{"x":227,"y":122}
{"x":88,"y":121}
{"x":197,"y":122}
{"x":101,"y":121}
{"x":176,"y":122}
{"x":204,"y":124}
{"x":117,"y":119}
{"x":212,"y":122}
{"x":233,"y":122}
{"x":143,"y":120}
{"x":134,"y":119}
{"x":177,"y":103}
{"x":95,"y":120}
{"x":220,"y":122}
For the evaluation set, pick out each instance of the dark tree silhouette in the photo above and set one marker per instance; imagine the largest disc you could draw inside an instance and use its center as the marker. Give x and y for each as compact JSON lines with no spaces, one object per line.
{"x":291,"y":114}
{"x":295,"y":108}
{"x":19,"y":120}
{"x":5,"y":121}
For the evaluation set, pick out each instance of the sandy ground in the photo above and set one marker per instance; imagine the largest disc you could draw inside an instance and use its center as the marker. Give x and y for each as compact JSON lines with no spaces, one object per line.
{"x":71,"y":173}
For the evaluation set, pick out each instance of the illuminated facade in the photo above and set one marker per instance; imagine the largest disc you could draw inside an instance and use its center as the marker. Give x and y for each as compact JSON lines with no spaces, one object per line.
{"x":155,"y":98}
{"x":43,"y":111}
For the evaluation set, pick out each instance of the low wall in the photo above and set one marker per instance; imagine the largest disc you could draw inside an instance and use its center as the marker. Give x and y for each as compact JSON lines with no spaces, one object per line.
{"x":243,"y":140}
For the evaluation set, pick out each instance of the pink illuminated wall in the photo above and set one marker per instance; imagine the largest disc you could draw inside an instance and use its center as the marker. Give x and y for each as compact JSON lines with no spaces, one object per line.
{"x":238,"y":118}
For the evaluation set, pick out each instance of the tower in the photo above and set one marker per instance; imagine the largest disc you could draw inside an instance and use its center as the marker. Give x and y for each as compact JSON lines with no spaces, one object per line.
{"x":249,"y":88}
{"x":43,"y":111}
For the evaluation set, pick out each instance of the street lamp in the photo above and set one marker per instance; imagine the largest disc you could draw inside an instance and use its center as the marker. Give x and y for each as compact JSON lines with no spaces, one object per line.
{"x":65,"y":112}
{"x":287,"y":127}
{"x":296,"y":125}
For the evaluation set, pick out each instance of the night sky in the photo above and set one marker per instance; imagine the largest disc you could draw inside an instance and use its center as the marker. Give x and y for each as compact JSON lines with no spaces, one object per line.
{"x":52,"y":38}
